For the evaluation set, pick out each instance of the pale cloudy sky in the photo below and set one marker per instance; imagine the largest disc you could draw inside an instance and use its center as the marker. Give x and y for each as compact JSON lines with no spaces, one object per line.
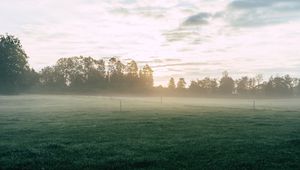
{"x":179,"y":38}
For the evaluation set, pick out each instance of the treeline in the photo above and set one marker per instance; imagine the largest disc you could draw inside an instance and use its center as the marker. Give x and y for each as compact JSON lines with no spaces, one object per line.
{"x":278,"y":86}
{"x":74,"y":74}
{"x":89,"y":75}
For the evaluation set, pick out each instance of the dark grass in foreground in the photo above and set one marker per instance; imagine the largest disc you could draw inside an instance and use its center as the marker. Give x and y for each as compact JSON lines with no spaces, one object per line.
{"x":158,"y":138}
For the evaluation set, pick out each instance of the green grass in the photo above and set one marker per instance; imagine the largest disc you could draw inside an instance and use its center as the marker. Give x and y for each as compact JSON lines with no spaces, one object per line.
{"x":89,"y":132}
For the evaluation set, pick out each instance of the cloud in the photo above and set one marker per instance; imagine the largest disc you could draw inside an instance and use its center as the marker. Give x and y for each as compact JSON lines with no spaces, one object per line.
{"x":252,"y":4}
{"x":253,"y":13}
{"x":198,"y":19}
{"x":146,"y":12}
{"x":188,"y":64}
{"x":173,"y":59}
{"x":181,"y":33}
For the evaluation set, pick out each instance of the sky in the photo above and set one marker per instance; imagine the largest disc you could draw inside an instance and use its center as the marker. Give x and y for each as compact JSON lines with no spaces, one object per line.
{"x":177,"y":38}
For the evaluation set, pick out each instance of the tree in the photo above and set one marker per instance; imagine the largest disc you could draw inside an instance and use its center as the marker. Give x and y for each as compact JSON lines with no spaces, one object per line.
{"x":226,"y":84}
{"x":132,"y":69}
{"x":13,"y":64}
{"x":146,"y":76}
{"x":115,"y":73}
{"x":257,"y":88}
{"x":72,"y":70}
{"x":259,"y":79}
{"x":75,"y":72}
{"x":208,"y":85}
{"x":47,"y":76}
{"x":171,"y":84}
{"x":30,"y":79}
{"x":131,"y":74}
{"x":279,"y":86}
{"x":297,"y":82}
{"x":52,"y":79}
{"x":290,"y":82}
{"x":205,"y":86}
{"x":243,"y":86}
{"x":181,"y":83}
{"x":194,"y":86}
{"x":94,"y":72}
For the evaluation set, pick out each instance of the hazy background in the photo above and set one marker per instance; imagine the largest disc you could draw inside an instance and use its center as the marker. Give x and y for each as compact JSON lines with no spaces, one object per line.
{"x":178,"y":38}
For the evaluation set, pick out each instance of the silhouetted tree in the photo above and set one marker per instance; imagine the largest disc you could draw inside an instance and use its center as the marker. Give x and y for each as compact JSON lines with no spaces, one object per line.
{"x":181,"y":83}
{"x":297,"y":82}
{"x":115,"y":73}
{"x":94,"y":72}
{"x":171,"y":84}
{"x":30,"y":79}
{"x":51,"y":78}
{"x":226,"y":84}
{"x":206,"y":86}
{"x":72,"y":70}
{"x":13,"y":64}
{"x":290,"y":82}
{"x":146,"y":76}
{"x":132,"y":77}
{"x":259,"y":79}
{"x":75,"y":72}
{"x":194,"y":86}
{"x":132,"y":69}
{"x":279,"y":86}
{"x":243,"y":86}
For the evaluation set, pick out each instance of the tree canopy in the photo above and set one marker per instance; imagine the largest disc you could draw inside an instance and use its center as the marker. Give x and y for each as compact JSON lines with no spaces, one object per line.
{"x":13,"y":64}
{"x":171,"y":84}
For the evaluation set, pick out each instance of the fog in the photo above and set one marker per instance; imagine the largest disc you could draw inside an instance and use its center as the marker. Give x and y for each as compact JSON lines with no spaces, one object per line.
{"x":112,"y":103}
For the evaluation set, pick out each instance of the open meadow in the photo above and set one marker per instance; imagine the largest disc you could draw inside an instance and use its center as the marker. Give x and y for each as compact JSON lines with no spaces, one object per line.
{"x":93,"y":132}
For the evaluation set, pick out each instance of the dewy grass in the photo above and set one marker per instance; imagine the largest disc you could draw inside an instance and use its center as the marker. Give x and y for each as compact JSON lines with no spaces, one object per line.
{"x":89,"y":132}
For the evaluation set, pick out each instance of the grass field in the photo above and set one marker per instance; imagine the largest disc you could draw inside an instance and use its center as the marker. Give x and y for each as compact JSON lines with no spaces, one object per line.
{"x":90,"y":132}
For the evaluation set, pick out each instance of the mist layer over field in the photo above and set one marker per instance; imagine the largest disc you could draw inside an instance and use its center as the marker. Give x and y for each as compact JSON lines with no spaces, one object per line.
{"x":95,"y":132}
{"x":112,"y":103}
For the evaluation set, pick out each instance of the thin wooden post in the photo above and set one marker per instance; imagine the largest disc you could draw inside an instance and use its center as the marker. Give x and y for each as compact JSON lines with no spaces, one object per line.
{"x":120,"y":105}
{"x":161,"y":99}
{"x":254,"y":97}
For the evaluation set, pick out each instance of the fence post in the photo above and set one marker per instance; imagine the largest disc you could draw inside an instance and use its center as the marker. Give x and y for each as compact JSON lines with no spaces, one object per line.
{"x":120,"y":105}
{"x":161,"y":99}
